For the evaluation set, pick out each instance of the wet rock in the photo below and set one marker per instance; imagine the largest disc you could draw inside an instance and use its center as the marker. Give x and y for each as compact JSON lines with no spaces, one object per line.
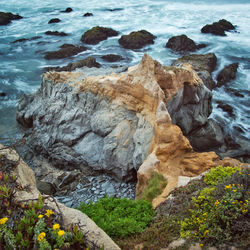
{"x":67,"y":10}
{"x":66,"y":50}
{"x":115,"y":9}
{"x":136,"y":39}
{"x":218,"y":28}
{"x":227,"y":74}
{"x":226,"y":108}
{"x":26,"y":39}
{"x":231,"y":143}
{"x":3,"y":94}
{"x":55,"y":33}
{"x":54,"y":20}
{"x":235,"y":92}
{"x":89,"y":62}
{"x":183,"y":44}
{"x":97,"y":34}
{"x":112,"y":58}
{"x":88,"y":14}
{"x":7,"y":17}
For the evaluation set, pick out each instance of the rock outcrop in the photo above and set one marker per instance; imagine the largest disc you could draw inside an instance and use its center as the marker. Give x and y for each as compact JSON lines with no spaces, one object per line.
{"x":7,"y":17}
{"x":26,"y":178}
{"x":97,"y":34}
{"x":54,"y":20}
{"x":118,"y":124}
{"x":112,"y":58}
{"x":88,"y":14}
{"x":183,"y":44}
{"x":136,"y":39}
{"x":227,"y":74}
{"x":67,"y":10}
{"x":218,"y":28}
{"x":55,"y":33}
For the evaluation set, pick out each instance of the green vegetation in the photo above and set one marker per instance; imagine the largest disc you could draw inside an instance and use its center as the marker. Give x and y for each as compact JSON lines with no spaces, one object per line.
{"x":31,"y":224}
{"x":120,"y":217}
{"x":155,"y":186}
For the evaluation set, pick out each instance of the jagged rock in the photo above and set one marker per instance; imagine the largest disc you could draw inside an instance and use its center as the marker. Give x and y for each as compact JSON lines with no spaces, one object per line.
{"x":218,"y":28}
{"x":112,"y":58}
{"x":26,"y":39}
{"x":7,"y":17}
{"x":54,"y":20}
{"x":66,"y":50}
{"x":67,"y":10}
{"x":97,"y":34}
{"x":226,"y":108}
{"x":183,"y":44}
{"x":55,"y":33}
{"x":87,"y":62}
{"x":26,"y":178}
{"x":87,"y":14}
{"x":227,"y":74}
{"x":136,"y":39}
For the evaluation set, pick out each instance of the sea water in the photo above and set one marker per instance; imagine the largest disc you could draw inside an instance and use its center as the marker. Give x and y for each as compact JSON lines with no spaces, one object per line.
{"x":22,"y":63}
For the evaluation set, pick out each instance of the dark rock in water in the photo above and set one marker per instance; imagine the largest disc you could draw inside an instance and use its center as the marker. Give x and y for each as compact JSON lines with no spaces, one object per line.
{"x":7,"y":17}
{"x":218,"y":28}
{"x":207,"y":137}
{"x":226,"y":108}
{"x":112,"y":58}
{"x":235,"y":92}
{"x":54,"y":20}
{"x":3,"y":94}
{"x":88,"y":14}
{"x":67,"y":10}
{"x":87,"y":62}
{"x":183,"y":44}
{"x":97,"y":34}
{"x":136,"y":39}
{"x":67,"y":50}
{"x":115,"y":9}
{"x":55,"y":33}
{"x":227,"y":74}
{"x":26,"y":39}
{"x":230,"y":143}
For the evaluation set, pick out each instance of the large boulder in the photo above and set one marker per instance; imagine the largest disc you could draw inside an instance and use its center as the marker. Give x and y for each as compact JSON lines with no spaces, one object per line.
{"x":97,"y":34}
{"x":7,"y":17}
{"x":227,"y":74}
{"x":66,"y":50}
{"x":218,"y":28}
{"x":136,"y":39}
{"x":183,"y":44}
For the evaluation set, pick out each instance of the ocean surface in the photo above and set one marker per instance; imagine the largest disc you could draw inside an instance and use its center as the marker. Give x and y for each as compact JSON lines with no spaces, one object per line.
{"x":22,"y":63}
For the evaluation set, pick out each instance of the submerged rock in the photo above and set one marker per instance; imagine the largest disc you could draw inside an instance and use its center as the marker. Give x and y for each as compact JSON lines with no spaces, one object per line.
{"x":218,"y":28}
{"x":136,"y":39}
{"x":112,"y":58}
{"x":97,"y":34}
{"x":54,"y":20}
{"x":227,"y":74}
{"x":7,"y":17}
{"x":183,"y":44}
{"x":66,"y":50}
{"x":67,"y":10}
{"x":55,"y":33}
{"x":88,"y":14}
{"x":26,"y":39}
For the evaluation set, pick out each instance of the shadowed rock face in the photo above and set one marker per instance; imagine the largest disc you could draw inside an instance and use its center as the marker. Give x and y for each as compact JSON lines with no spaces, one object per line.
{"x":227,"y":74}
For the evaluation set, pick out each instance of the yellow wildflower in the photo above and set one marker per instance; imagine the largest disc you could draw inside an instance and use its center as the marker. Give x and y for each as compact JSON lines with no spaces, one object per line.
{"x":201,"y":245}
{"x":3,"y":220}
{"x":61,"y":233}
{"x":205,"y":233}
{"x":56,"y":226}
{"x":41,"y":236}
{"x":228,"y":187}
{"x":40,"y":216}
{"x":216,"y":203}
{"x":234,"y":190}
{"x":49,"y":212}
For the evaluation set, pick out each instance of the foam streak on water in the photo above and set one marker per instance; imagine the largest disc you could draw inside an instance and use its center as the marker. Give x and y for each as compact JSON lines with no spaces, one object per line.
{"x":22,"y":63}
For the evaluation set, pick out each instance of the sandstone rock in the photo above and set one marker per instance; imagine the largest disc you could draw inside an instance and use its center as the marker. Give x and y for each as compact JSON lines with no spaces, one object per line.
{"x":227,"y":74}
{"x":97,"y":34}
{"x":136,"y":39}
{"x":183,"y":44}
{"x":25,"y":177}
{"x":67,"y":10}
{"x":218,"y":28}
{"x":112,"y":58}
{"x":88,"y":14}
{"x":66,"y":50}
{"x":55,"y":33}
{"x":7,"y":17}
{"x":54,"y":20}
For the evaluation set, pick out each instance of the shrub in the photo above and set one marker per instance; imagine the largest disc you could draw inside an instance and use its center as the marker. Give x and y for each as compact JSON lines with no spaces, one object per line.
{"x":155,"y":186}
{"x":119,"y":217}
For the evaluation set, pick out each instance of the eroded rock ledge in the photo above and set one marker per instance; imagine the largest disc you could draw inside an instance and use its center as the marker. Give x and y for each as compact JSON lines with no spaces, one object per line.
{"x":118,"y":124}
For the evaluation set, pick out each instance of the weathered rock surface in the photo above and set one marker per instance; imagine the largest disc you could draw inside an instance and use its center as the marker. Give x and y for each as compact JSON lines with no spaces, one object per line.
{"x":112,"y":58}
{"x":66,"y":50}
{"x":86,"y":62}
{"x":136,"y":39}
{"x":118,"y":124}
{"x":97,"y":34}
{"x":7,"y":17}
{"x":183,"y":44}
{"x":218,"y":28}
{"x":25,"y":177}
{"x":55,"y":33}
{"x":54,"y":20}
{"x":227,"y":74}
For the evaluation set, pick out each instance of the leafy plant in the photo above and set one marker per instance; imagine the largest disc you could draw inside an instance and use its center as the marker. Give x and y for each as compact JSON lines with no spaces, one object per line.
{"x":119,"y":217}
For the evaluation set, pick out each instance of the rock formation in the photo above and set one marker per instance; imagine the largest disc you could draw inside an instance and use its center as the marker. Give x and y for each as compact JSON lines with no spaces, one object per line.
{"x":26,"y":178}
{"x":227,"y":74}
{"x":7,"y":17}
{"x":54,"y":20}
{"x":88,"y":14}
{"x":55,"y":33}
{"x":112,"y":58}
{"x":119,"y":124}
{"x":67,"y":10}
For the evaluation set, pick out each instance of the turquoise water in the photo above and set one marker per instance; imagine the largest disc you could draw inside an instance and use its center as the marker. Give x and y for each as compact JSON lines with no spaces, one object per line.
{"x":22,"y":63}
